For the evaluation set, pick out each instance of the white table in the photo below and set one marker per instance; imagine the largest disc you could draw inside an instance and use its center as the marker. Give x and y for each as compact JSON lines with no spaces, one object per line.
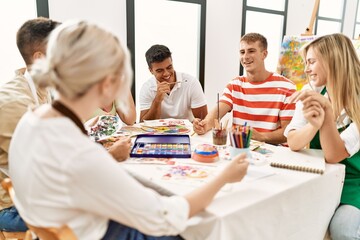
{"x":285,"y":205}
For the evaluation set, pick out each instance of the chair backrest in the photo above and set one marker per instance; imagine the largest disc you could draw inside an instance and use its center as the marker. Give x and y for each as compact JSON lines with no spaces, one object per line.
{"x":7,"y":185}
{"x":62,"y":233}
{"x":4,"y":235}
{"x":44,"y":233}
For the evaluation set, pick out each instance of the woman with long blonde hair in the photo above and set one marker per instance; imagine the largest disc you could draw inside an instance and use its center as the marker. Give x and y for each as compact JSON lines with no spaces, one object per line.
{"x":332,"y":60}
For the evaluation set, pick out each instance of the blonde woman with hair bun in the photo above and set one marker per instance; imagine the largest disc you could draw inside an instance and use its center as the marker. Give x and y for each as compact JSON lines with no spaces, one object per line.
{"x":74,"y":181}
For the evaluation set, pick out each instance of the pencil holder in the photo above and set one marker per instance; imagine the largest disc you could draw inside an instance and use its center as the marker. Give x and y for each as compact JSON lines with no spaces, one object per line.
{"x":234,"y":151}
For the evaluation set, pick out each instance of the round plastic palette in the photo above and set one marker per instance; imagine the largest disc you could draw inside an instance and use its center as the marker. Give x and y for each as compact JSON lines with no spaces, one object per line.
{"x":205,"y":153}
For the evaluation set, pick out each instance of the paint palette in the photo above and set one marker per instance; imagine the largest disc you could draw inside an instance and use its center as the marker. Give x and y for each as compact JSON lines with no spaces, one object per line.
{"x":205,"y":153}
{"x":106,"y":126}
{"x":176,"y":129}
{"x":167,"y":126}
{"x":161,"y":146}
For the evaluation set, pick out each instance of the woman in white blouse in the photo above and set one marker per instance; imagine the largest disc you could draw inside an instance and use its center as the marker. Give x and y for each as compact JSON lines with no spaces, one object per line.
{"x":61,"y":177}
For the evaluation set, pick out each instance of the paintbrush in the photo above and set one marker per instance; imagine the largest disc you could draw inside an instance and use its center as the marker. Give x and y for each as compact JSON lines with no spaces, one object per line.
{"x":177,"y":82}
{"x":226,"y":123}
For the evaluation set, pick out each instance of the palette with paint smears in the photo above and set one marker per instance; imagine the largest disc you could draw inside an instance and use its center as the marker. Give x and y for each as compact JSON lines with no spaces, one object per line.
{"x":167,"y":126}
{"x":161,"y":146}
{"x":175,"y":129}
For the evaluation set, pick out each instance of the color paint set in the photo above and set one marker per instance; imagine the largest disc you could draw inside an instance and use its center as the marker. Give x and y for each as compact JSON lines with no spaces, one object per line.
{"x":161,"y":146}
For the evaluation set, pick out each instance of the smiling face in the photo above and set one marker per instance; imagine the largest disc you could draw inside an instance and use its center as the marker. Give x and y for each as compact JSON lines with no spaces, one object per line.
{"x":314,"y":69}
{"x":163,"y":71}
{"x":252,"y":56}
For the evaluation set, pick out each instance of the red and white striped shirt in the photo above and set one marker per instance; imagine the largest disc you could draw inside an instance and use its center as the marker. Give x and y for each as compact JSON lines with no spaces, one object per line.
{"x":260,"y":104}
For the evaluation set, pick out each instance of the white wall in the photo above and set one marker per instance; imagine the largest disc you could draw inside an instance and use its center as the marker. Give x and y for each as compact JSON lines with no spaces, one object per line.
{"x":299,"y":14}
{"x":223,"y":31}
{"x":350,"y":17}
{"x":110,"y":14}
{"x":10,"y":56}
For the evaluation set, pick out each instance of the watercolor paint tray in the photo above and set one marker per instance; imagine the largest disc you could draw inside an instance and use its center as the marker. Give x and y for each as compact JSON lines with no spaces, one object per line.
{"x":161,"y":146}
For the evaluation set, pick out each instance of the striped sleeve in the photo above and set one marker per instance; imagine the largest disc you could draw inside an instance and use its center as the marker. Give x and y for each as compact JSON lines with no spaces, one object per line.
{"x":262,"y":104}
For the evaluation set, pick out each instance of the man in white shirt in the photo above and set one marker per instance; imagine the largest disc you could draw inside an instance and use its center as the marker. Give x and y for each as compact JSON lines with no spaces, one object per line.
{"x":169,"y":94}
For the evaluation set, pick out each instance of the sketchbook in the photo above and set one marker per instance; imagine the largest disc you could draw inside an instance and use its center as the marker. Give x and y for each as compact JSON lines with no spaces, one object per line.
{"x":306,"y":160}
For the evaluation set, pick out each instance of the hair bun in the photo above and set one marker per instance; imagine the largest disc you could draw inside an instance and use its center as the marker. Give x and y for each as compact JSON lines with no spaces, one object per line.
{"x":42,"y":74}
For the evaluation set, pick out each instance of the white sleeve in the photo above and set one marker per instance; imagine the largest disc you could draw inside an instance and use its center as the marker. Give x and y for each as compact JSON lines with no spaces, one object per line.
{"x":197,"y":94}
{"x":102,"y":186}
{"x":298,"y":120}
{"x":146,"y":97}
{"x":351,"y":138}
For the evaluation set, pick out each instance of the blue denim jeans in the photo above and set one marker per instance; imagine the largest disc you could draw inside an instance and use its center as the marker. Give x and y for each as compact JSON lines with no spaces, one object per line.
{"x":11,"y":221}
{"x":117,"y":231}
{"x":345,"y":224}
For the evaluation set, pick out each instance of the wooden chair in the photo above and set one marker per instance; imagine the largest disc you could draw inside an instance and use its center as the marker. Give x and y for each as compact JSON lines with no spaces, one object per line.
{"x":13,"y":235}
{"x":43,"y":233}
{"x":4,"y":235}
{"x":62,"y":233}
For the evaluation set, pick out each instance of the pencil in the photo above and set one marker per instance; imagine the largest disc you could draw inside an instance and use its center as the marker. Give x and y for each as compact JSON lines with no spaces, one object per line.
{"x":226,"y":123}
{"x":286,"y":91}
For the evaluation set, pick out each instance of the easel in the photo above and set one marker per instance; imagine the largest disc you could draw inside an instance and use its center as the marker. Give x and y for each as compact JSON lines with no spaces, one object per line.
{"x":309,"y":29}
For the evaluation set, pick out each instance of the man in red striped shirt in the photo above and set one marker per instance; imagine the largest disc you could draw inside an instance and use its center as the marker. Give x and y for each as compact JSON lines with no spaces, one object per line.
{"x":259,"y":99}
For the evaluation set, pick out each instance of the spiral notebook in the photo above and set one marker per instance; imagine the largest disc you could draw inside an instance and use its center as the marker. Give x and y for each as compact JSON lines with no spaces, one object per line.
{"x":306,"y":160}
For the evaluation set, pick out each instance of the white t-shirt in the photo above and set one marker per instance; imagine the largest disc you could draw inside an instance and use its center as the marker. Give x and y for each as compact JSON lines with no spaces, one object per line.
{"x":61,"y":177}
{"x":182,"y":98}
{"x":350,"y":135}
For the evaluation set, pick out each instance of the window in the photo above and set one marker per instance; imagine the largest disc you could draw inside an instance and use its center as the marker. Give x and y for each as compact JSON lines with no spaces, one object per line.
{"x":179,"y":25}
{"x":357,"y":22}
{"x":42,"y":7}
{"x":330,"y":17}
{"x":269,"y":19}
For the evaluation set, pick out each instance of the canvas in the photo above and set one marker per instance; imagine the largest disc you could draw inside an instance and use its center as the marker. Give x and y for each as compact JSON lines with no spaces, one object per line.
{"x":291,"y":63}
